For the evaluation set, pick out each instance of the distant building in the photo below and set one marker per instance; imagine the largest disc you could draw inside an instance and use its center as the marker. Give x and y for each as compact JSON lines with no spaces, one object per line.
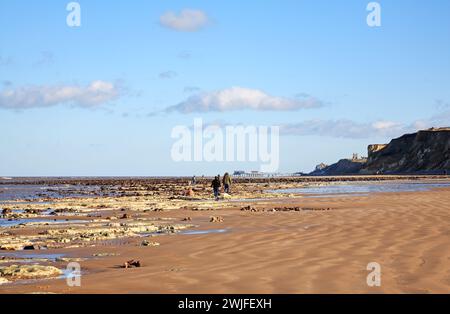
{"x":357,"y":158}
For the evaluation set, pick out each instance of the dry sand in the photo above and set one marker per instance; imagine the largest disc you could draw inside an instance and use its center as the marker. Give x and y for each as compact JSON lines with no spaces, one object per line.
{"x":306,"y":251}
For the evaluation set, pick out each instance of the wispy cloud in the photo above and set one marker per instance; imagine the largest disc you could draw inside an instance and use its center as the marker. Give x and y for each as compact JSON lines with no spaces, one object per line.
{"x":191,"y":89}
{"x":344,"y":128}
{"x":188,"y":20}
{"x":338,"y":128}
{"x":168,"y":75}
{"x":347,"y":128}
{"x":440,"y":104}
{"x":6,"y":61}
{"x":92,"y":95}
{"x":239,"y":98}
{"x":442,"y":119}
{"x":46,"y":58}
{"x":351,"y":129}
{"x":184,"y":55}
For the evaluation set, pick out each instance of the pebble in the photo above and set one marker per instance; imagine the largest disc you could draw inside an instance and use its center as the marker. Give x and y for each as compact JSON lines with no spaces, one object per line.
{"x":148,"y":243}
{"x":216,"y":219}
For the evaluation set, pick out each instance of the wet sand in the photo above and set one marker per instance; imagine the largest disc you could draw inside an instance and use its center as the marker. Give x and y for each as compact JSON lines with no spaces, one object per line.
{"x":305,"y":245}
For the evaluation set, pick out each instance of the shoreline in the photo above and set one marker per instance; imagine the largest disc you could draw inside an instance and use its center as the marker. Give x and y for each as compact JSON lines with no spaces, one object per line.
{"x":94,"y":180}
{"x":279,"y":244}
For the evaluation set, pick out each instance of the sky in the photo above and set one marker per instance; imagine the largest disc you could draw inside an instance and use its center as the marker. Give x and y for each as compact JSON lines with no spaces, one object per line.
{"x":102,"y":98}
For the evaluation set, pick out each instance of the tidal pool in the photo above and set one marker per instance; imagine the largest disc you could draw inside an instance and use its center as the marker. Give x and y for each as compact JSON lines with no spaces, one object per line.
{"x":361,"y":189}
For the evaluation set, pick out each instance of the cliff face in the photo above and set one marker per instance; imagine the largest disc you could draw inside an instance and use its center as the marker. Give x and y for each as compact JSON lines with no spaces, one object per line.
{"x":426,"y":151}
{"x":373,"y":148}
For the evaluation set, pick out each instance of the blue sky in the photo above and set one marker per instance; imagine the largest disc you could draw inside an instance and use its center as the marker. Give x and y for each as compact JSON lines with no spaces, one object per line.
{"x":92,"y":100}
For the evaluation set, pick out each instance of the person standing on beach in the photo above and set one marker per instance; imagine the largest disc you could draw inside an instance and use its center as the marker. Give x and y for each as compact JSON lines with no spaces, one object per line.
{"x":226,"y":183}
{"x":216,"y":186}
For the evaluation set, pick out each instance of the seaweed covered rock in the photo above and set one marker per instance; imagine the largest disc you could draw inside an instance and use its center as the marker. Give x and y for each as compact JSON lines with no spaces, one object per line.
{"x":29,"y":271}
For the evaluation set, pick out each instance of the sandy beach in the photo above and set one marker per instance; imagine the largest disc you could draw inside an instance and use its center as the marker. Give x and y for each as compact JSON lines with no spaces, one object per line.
{"x":251,"y":242}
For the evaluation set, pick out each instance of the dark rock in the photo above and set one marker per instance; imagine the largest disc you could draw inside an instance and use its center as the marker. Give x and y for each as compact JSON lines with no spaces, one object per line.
{"x":342,"y":167}
{"x":31,"y":247}
{"x":249,"y":208}
{"x":131,"y":263}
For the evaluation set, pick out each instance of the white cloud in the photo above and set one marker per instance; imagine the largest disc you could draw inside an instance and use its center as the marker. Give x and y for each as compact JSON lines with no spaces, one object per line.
{"x":239,"y":98}
{"x":95,"y":94}
{"x":385,"y":126}
{"x":188,"y":20}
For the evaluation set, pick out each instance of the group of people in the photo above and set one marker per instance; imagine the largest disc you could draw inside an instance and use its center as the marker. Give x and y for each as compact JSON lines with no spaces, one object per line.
{"x":216,"y":184}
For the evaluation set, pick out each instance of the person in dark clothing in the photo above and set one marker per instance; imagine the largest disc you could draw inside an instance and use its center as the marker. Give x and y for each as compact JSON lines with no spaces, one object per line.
{"x":216,"y":186}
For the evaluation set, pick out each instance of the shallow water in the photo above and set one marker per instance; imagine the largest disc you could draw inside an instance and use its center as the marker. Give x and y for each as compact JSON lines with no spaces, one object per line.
{"x":243,"y":200}
{"x":9,"y":223}
{"x":196,"y":232}
{"x":70,"y":274}
{"x":337,"y":195}
{"x":28,"y":256}
{"x":10,"y":192}
{"x":11,"y":202}
{"x":361,"y":189}
{"x":187,"y":232}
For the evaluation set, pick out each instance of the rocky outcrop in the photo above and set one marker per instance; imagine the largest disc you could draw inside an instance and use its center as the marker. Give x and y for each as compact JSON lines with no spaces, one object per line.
{"x":29,"y":271}
{"x":426,"y":151}
{"x":342,"y":167}
{"x":321,"y":166}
